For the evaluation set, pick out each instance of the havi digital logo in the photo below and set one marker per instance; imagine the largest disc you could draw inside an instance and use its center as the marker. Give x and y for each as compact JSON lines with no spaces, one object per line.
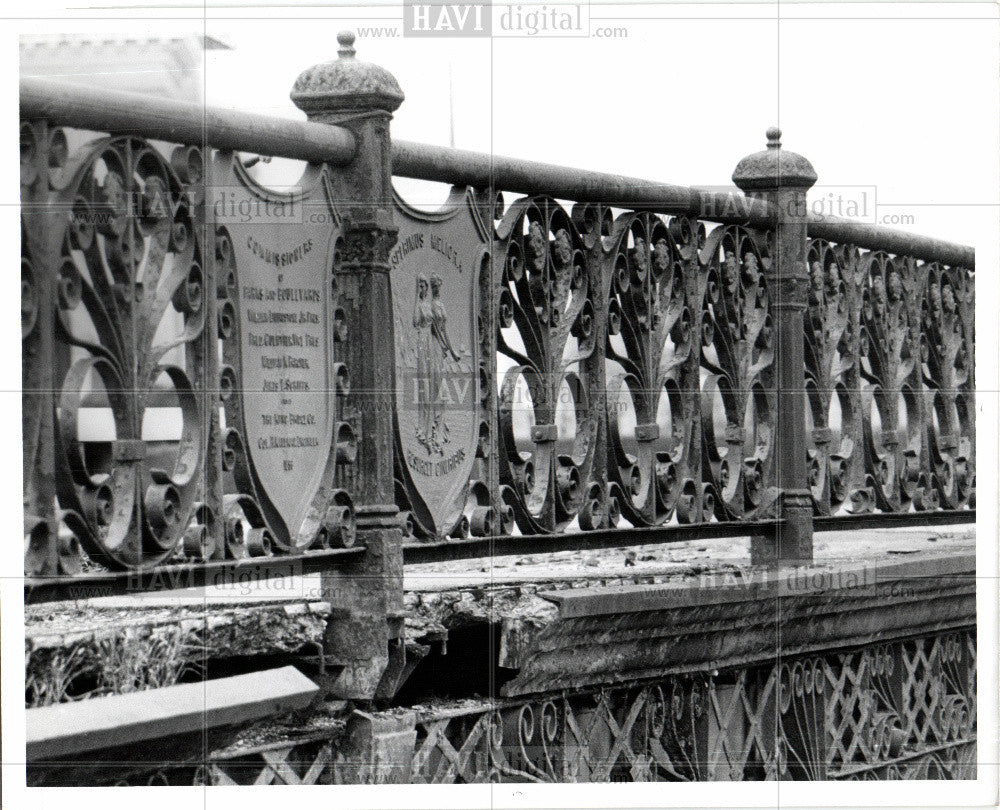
{"x":447,"y":19}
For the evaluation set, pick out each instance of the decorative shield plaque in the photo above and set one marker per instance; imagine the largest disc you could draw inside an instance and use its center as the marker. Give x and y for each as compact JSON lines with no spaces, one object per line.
{"x":434,"y":270}
{"x":282,"y":250}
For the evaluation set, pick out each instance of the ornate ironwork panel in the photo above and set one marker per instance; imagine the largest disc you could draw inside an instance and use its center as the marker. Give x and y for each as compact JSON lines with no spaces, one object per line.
{"x":558,"y":368}
{"x":890,"y":347}
{"x":627,"y":373}
{"x":119,"y":327}
{"x":626,"y":369}
{"x":182,"y":390}
{"x":547,"y":429}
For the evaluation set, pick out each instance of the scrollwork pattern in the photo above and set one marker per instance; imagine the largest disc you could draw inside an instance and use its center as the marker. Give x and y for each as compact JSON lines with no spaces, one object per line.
{"x":128,"y":309}
{"x":635,"y":375}
{"x":626,"y":370}
{"x":545,"y":333}
{"x":127,"y":460}
{"x":737,"y":389}
{"x":889,"y":350}
{"x":652,"y":382}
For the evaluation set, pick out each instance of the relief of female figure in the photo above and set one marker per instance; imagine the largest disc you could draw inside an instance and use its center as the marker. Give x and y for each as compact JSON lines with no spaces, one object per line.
{"x":423,"y":321}
{"x":440,"y":327}
{"x":439,"y":361}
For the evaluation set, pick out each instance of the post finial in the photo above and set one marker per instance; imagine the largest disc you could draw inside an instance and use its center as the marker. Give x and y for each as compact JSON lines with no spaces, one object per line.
{"x":773,"y":168}
{"x":345,"y":85}
{"x":346,"y":41}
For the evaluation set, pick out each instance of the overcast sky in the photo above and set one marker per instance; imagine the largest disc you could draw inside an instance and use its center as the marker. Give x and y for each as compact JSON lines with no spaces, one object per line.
{"x":902,"y":97}
{"x":907,"y":106}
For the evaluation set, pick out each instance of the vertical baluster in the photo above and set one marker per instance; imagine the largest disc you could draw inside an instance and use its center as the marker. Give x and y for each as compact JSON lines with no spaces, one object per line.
{"x":490,"y":272}
{"x":193,"y":165}
{"x":691,"y":239}
{"x":38,"y":289}
{"x":367,"y":595}
{"x":593,"y":222}
{"x":782,"y":178}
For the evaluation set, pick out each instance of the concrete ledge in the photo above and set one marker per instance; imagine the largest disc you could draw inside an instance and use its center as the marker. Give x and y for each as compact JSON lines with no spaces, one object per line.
{"x":613,"y":635}
{"x":753,"y":584}
{"x":66,"y":729}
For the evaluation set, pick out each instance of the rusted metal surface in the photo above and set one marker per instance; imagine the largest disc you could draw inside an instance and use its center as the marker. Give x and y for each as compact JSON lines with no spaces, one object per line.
{"x":607,"y":361}
{"x":133,"y":479}
{"x":690,"y":367}
{"x":162,"y":285}
{"x":596,"y":332}
{"x":144,"y":472}
{"x":362,"y":97}
{"x":782,"y":179}
{"x":122,"y":113}
{"x":650,"y":372}
{"x":890,"y":382}
{"x":641,"y":353}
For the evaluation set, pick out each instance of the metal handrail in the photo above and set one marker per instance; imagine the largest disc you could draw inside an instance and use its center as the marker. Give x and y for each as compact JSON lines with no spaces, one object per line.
{"x":483,"y":170}
{"x":184,"y":122}
{"x":876,"y":237}
{"x":119,"y":112}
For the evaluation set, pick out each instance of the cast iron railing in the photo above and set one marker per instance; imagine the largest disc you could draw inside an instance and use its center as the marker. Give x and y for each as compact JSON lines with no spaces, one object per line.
{"x":134,"y":408}
{"x":632,"y":358}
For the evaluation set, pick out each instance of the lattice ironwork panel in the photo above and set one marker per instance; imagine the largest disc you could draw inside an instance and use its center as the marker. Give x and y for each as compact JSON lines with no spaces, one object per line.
{"x":895,"y":701}
{"x":301,"y":764}
{"x":901,"y":710}
{"x":456,"y":749}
